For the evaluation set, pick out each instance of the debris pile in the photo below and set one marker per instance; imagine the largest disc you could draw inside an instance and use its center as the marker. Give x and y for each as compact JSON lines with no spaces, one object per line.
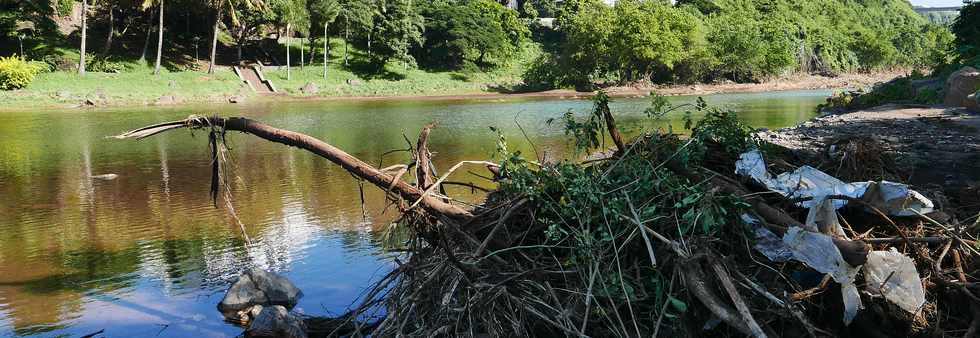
{"x":668,"y":236}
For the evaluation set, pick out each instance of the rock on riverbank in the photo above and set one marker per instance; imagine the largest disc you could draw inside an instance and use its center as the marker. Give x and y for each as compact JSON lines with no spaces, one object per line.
{"x":261,"y":300}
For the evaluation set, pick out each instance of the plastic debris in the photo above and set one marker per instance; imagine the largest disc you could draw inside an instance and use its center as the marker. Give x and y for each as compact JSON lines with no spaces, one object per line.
{"x":822,"y":217}
{"x":819,"y":252}
{"x":805,"y":182}
{"x":766,"y":242}
{"x":897,"y":199}
{"x":813,"y":186}
{"x":893,"y":275}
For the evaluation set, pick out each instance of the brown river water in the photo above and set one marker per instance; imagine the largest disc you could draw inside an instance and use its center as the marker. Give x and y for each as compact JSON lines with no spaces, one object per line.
{"x":147,"y":254}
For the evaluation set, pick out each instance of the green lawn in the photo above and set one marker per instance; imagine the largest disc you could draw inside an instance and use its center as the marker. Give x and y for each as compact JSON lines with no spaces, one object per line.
{"x":135,"y":87}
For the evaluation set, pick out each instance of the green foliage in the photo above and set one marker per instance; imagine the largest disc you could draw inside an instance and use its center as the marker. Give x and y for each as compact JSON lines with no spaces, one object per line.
{"x":293,"y":12}
{"x":528,"y":10}
{"x":398,"y":28}
{"x":588,"y":215}
{"x":16,"y":73}
{"x":479,"y":32}
{"x":587,"y":134}
{"x":544,"y":8}
{"x":742,"y":40}
{"x":746,"y":49}
{"x":722,"y":127}
{"x":105,"y":65}
{"x":872,"y":51}
{"x":41,"y":66}
{"x":967,"y":31}
{"x":586,"y":50}
{"x":651,"y":36}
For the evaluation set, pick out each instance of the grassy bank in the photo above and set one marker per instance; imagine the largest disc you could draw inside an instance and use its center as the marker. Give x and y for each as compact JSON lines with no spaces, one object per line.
{"x":135,"y":84}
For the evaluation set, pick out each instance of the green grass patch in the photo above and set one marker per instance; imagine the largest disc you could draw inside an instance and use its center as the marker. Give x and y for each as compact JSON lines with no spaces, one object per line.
{"x":132,"y":87}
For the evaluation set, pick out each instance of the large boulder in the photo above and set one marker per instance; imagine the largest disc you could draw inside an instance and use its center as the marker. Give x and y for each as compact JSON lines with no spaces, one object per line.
{"x":276,"y":321}
{"x":959,"y":86}
{"x":259,"y":287}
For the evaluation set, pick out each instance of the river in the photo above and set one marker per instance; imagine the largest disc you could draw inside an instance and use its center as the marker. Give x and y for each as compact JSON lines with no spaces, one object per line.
{"x":148,"y":254}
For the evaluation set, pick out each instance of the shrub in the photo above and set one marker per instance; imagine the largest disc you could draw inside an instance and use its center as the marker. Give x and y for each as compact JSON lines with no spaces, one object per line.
{"x":61,"y":62}
{"x":105,"y":65}
{"x":16,"y":73}
{"x":42,"y":67}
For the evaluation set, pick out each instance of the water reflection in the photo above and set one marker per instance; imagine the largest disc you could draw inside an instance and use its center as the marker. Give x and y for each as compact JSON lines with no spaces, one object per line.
{"x":147,"y":253}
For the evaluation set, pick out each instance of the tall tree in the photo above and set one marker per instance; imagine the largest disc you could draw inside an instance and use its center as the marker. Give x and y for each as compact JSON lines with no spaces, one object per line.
{"x":148,"y":4}
{"x":81,"y":57}
{"x":156,"y":66}
{"x":288,"y":60}
{"x":399,"y":27}
{"x":323,"y":12}
{"x":112,"y":26}
{"x":357,"y":15}
{"x":290,"y":13}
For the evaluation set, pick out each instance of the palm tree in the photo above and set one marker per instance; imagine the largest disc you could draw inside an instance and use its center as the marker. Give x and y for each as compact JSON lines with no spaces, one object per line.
{"x":230,"y":7}
{"x":288,"y":36}
{"x":156,"y":67}
{"x":148,"y":4}
{"x":81,"y":58}
{"x":112,"y":27}
{"x":326,"y":11}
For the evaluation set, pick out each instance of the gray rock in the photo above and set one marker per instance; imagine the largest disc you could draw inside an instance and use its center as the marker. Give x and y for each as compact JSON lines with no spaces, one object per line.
{"x":354,"y":82}
{"x":236,"y":99}
{"x":259,"y":287}
{"x":309,"y":88}
{"x":276,"y":321}
{"x":959,"y":86}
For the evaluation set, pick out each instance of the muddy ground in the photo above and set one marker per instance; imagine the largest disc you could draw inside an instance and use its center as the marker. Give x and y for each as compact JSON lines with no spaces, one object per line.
{"x":935,"y":149}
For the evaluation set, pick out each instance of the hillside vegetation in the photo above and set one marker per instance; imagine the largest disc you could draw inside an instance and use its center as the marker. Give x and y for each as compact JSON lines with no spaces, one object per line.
{"x":740,"y":40}
{"x":404,"y":47}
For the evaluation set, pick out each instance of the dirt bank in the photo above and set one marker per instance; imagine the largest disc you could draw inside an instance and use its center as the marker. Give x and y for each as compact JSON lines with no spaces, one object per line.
{"x":789,"y":82}
{"x":935,"y":148}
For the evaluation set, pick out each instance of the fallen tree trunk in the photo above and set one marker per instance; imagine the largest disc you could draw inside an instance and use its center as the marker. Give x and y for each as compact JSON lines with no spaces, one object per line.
{"x":350,"y":163}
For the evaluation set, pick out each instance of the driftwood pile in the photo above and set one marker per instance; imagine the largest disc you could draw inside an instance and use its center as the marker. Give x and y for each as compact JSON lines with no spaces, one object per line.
{"x":649,"y":241}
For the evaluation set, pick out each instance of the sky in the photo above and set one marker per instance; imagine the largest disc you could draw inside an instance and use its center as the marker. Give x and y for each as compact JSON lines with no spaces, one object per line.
{"x":937,"y":3}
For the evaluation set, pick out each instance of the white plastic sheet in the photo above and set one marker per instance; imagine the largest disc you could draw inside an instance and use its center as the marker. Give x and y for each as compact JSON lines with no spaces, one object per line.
{"x":810,"y":183}
{"x":766,"y":242}
{"x":819,"y":252}
{"x":893,"y":275}
{"x":822,"y":217}
{"x":887,"y":273}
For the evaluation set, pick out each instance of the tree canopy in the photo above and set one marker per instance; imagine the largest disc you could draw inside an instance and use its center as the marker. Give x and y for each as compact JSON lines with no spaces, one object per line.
{"x":741,"y":40}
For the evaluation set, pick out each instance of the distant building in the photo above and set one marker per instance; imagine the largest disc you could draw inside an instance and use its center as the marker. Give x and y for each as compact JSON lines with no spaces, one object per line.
{"x":939,"y":15}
